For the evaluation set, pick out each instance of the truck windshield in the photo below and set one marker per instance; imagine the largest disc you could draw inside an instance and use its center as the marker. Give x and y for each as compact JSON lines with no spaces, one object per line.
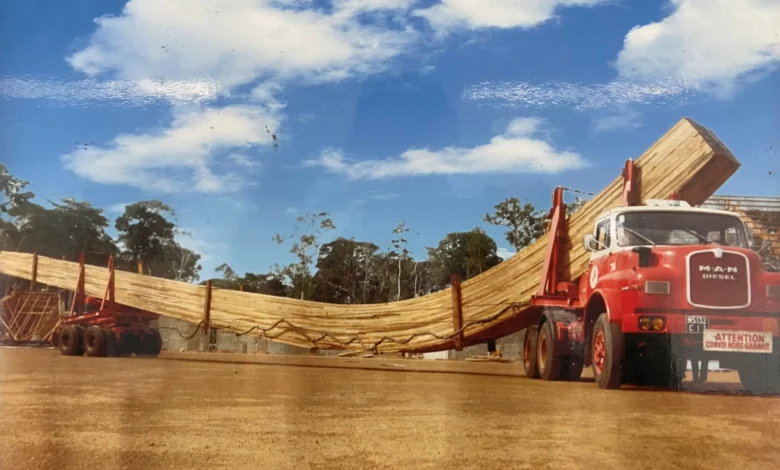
{"x":680,"y":228}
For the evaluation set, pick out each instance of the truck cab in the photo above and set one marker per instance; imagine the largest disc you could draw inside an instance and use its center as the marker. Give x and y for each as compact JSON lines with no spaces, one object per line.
{"x":666,"y":279}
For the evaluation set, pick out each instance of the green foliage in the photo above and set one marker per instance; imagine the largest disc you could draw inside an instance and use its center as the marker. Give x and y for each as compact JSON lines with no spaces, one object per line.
{"x":305,"y":245}
{"x":524,"y":223}
{"x":463,"y":253}
{"x":267,"y":284}
{"x":65,"y":230}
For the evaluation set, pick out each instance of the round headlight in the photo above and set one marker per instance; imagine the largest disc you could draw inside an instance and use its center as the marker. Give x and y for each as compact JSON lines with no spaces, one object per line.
{"x":658,"y":324}
{"x":644,"y":323}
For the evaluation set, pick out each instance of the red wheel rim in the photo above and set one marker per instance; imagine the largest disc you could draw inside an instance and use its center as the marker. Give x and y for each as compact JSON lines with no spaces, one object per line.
{"x":542,"y":352}
{"x":599,"y":352}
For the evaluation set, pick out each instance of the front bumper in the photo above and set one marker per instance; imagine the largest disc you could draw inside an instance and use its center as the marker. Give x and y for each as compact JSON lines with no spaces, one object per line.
{"x":677,"y":322}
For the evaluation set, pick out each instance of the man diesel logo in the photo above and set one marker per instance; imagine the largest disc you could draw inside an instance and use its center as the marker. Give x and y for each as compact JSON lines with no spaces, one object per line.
{"x":718,"y":272}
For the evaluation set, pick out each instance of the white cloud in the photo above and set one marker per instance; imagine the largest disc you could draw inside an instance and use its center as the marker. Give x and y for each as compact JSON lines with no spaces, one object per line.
{"x":470,"y":14}
{"x":577,"y":95}
{"x":130,"y":92}
{"x":235,"y":42}
{"x":178,"y":158}
{"x":384,"y":196}
{"x":210,"y":252}
{"x":242,"y":160}
{"x":118,"y":208}
{"x":518,"y":150}
{"x":711,"y":43}
{"x":627,"y":119}
{"x":505,"y":253}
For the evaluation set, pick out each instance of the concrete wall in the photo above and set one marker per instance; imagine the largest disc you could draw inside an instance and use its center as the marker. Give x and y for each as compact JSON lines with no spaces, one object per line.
{"x":511,"y":347}
{"x":172,"y":331}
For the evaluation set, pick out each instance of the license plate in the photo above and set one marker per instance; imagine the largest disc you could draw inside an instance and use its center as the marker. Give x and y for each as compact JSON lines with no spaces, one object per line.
{"x":738,"y":341}
{"x":697,"y":323}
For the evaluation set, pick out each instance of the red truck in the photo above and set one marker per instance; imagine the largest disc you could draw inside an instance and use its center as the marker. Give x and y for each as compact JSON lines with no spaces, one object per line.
{"x":665,"y":280}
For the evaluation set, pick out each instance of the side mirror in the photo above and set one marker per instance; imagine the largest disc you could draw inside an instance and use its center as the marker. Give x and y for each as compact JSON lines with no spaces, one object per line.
{"x":591,"y":244}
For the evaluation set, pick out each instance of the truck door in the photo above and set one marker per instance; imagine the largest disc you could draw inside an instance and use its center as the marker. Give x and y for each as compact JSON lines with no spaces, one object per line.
{"x":600,"y":257}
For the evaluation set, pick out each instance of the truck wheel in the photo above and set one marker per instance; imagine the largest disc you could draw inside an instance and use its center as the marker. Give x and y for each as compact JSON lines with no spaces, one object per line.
{"x":94,"y":342}
{"x":68,"y":340}
{"x":529,"y":352}
{"x":607,"y":351}
{"x":549,"y":365}
{"x":572,"y":368}
{"x":761,"y":377}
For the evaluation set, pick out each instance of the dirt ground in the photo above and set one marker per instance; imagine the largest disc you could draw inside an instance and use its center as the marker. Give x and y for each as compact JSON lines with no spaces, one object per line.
{"x":79,"y":412}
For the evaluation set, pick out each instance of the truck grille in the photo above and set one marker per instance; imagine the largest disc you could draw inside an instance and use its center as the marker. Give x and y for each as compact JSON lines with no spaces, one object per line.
{"x":718,"y":279}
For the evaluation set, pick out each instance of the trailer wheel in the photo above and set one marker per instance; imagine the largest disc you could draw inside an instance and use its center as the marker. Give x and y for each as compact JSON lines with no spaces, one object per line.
{"x":151,"y":345}
{"x":529,"y":352}
{"x":68,"y":340}
{"x":81,"y":330}
{"x":550,"y":366}
{"x":607,"y":348}
{"x":94,"y":342}
{"x":110,"y":342}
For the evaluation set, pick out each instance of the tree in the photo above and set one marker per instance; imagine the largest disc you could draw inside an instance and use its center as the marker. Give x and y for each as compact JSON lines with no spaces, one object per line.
{"x":144,"y":231}
{"x":176,"y":262}
{"x":305,"y":246}
{"x":399,"y":252}
{"x":69,"y":228}
{"x":463,"y":253}
{"x":573,"y":207}
{"x":148,"y":236}
{"x":525,"y":224}
{"x":258,"y":283}
{"x":14,"y":200}
{"x":346,"y":272}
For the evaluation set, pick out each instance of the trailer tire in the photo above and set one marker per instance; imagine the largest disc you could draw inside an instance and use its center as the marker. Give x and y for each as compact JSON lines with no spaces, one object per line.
{"x":530,"y":341}
{"x":110,"y":342}
{"x":68,"y":341}
{"x":81,"y":330}
{"x":607,"y":353}
{"x":549,"y":364}
{"x":151,"y":345}
{"x":94,"y":342}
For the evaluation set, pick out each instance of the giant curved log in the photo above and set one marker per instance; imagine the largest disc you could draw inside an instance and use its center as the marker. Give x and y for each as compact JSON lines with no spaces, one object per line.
{"x":689,"y":160}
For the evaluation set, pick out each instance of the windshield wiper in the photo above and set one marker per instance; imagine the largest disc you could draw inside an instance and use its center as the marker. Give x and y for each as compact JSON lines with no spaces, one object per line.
{"x":704,"y":240}
{"x":638,"y":235}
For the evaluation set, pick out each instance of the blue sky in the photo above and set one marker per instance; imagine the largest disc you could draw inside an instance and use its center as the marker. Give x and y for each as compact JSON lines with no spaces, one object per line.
{"x":427,"y":111}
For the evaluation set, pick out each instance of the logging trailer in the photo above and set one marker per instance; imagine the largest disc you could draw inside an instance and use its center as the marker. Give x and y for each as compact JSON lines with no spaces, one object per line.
{"x":664,"y":280}
{"x":101,"y":327}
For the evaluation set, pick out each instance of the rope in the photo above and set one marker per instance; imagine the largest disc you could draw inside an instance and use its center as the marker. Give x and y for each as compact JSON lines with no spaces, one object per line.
{"x":585,"y":193}
{"x":323,"y":335}
{"x":197,"y":328}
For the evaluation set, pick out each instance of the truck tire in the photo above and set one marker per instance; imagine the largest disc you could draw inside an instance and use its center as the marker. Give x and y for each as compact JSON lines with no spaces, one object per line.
{"x":607,"y":353}
{"x":94,"y":342}
{"x":68,"y":341}
{"x":549,"y":364}
{"x":529,"y":352}
{"x":762,"y":377}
